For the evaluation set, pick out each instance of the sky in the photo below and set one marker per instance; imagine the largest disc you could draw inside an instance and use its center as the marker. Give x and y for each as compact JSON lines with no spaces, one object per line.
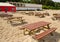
{"x":56,"y":0}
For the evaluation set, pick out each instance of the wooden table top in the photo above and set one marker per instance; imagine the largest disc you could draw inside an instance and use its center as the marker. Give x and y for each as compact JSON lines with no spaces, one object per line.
{"x":36,"y":25}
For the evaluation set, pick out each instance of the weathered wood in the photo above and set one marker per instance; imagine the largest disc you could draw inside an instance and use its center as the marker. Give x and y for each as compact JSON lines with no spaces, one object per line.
{"x":47,"y":14}
{"x":34,"y":26}
{"x":56,"y":16}
{"x":39,"y":15}
{"x":5,"y":15}
{"x":12,"y":19}
{"x":43,"y":34}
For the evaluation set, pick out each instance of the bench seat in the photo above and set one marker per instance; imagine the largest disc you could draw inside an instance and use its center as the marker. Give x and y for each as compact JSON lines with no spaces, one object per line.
{"x":41,"y":35}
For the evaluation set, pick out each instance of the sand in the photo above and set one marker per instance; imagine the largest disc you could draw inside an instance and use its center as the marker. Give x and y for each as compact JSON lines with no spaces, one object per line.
{"x":9,"y":33}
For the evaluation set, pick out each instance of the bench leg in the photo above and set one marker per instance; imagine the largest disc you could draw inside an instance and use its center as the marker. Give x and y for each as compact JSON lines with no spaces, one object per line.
{"x":31,"y":33}
{"x":49,"y":28}
{"x":41,"y":40}
{"x":25,"y":33}
{"x":51,"y":34}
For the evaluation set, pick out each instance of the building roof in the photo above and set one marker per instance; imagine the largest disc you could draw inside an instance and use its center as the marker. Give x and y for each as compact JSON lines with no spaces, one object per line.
{"x":5,"y":4}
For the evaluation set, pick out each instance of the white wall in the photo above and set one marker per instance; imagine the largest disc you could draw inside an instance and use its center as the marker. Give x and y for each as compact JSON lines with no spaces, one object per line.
{"x":33,"y":5}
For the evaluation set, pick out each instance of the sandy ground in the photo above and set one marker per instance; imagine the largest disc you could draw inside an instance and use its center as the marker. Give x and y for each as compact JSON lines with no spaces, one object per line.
{"x":9,"y":33}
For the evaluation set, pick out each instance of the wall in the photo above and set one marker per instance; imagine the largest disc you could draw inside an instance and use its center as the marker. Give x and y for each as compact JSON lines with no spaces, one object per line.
{"x":9,"y":8}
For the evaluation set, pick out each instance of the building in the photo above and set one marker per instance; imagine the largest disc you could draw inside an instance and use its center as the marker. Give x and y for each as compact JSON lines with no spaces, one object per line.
{"x":26,"y":6}
{"x":6,"y":7}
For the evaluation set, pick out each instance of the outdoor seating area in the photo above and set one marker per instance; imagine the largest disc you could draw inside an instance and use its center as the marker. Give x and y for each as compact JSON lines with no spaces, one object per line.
{"x":29,"y":21}
{"x":11,"y":19}
{"x":26,"y":26}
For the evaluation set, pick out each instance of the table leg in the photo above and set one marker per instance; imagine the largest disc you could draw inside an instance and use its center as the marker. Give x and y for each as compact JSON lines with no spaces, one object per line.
{"x":25,"y":32}
{"x":22,"y":21}
{"x":49,"y":28}
{"x":31,"y":32}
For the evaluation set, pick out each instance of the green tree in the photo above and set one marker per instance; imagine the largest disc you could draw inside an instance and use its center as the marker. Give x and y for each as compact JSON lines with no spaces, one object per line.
{"x":50,"y":3}
{"x":44,"y":2}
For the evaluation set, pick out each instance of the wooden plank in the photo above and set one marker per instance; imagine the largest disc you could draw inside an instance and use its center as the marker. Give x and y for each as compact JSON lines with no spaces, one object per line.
{"x":15,"y":19}
{"x":5,"y":15}
{"x":36,"y":25}
{"x":41,"y":35}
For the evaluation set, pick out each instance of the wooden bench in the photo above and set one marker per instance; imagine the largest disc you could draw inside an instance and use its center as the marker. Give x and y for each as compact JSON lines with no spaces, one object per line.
{"x":39,"y":15}
{"x":21,"y":21}
{"x":30,"y":13}
{"x":6,"y":15}
{"x":11,"y":19}
{"x":56,"y":16}
{"x":43,"y":34}
{"x":47,"y":14}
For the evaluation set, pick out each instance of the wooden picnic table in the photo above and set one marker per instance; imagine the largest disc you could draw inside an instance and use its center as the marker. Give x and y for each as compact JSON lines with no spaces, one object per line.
{"x":30,"y":13}
{"x":6,"y":15}
{"x":37,"y":25}
{"x":39,"y":15}
{"x":47,"y":14}
{"x":57,"y":16}
{"x":11,"y":19}
{"x":15,"y":17}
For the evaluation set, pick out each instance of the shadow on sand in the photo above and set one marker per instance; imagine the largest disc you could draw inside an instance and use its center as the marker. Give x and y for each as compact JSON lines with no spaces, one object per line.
{"x":49,"y":38}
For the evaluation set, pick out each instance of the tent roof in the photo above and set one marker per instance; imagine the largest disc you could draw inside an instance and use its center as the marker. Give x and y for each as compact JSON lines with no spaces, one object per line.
{"x":5,"y":4}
